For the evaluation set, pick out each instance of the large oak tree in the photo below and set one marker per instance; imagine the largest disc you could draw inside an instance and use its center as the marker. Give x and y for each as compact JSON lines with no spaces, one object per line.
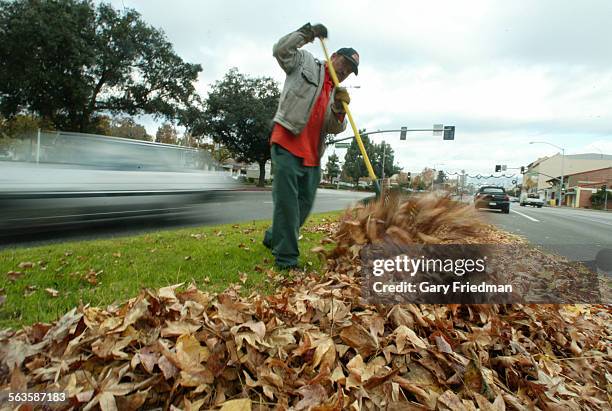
{"x":69,"y":61}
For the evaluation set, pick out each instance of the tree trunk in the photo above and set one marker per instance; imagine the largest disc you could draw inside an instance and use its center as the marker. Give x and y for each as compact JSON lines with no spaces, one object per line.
{"x":88,"y":111}
{"x":262,"y":174}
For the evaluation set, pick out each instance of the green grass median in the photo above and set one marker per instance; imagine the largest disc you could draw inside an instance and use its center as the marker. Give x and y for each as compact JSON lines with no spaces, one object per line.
{"x":39,"y":284}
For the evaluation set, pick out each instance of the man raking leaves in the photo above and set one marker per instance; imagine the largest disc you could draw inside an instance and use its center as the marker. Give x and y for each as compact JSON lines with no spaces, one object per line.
{"x":310,"y":107}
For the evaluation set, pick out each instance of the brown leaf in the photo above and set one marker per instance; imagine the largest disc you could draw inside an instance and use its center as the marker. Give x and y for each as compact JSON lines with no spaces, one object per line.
{"x":473,"y":377}
{"x":243,"y":404}
{"x":29,"y":290}
{"x":357,"y":337}
{"x":92,"y":276}
{"x":405,"y":335}
{"x":167,"y":293}
{"x":52,"y":292}
{"x":312,"y":395}
{"x":485,"y":405}
{"x":167,"y":368}
{"x":450,"y":401}
{"x":325,"y":353}
{"x":425,"y":397}
{"x":443,"y":345}
{"x":14,"y":275}
{"x":137,"y":311}
{"x":132,"y":402}
{"x":18,"y":382}
{"x":190,"y":354}
{"x":178,"y":328}
{"x":148,"y":358}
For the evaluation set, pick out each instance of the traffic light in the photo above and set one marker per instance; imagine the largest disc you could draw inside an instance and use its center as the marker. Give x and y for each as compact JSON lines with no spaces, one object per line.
{"x":403,"y":132}
{"x":449,"y":133}
{"x":522,"y":169}
{"x":497,"y":168}
{"x":408,"y":176}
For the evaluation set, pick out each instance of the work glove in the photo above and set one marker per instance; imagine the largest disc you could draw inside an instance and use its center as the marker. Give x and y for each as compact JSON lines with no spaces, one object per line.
{"x":311,"y":32}
{"x":340,"y":96}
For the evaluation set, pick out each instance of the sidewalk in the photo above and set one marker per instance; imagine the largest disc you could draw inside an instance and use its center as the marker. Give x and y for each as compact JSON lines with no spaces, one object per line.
{"x":609,"y":210}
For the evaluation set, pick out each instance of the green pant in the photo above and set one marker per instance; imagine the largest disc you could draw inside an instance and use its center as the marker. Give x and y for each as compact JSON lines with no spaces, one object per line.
{"x":293,"y":193}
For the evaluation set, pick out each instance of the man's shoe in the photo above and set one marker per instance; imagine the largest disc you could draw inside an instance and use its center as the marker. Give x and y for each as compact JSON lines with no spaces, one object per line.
{"x":267,"y":239}
{"x":267,"y":244}
{"x":290,"y":267}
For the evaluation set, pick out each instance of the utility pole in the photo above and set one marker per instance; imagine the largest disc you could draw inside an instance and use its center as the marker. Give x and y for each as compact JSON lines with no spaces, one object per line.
{"x":462,"y":183}
{"x":560,"y":191}
{"x":562,"y":176}
{"x":383,"y":164}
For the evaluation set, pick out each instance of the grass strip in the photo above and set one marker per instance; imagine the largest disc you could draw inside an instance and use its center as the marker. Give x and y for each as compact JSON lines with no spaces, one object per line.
{"x":40,"y":284}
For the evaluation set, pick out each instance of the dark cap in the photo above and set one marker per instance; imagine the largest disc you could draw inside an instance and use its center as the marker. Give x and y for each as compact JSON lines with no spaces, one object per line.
{"x":351,"y":55}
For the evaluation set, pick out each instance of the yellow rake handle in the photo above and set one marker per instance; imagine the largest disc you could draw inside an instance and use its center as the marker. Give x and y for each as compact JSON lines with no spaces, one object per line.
{"x":334,"y":77}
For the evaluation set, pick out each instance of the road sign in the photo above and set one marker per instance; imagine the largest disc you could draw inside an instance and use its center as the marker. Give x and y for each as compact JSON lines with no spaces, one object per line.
{"x":438,"y":129}
{"x":342,"y":145}
{"x":449,"y":133}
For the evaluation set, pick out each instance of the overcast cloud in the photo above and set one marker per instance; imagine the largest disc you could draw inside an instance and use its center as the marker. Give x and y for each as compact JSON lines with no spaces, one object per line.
{"x":504,"y":73}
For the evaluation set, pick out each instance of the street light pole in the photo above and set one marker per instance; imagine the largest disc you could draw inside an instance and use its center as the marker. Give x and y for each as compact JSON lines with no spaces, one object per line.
{"x":560,"y":191}
{"x":462,"y":183}
{"x":562,"y":176}
{"x":383,"y":165}
{"x":600,"y":152}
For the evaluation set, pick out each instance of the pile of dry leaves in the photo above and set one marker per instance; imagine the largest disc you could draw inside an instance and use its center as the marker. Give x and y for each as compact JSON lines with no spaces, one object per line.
{"x":317,"y":345}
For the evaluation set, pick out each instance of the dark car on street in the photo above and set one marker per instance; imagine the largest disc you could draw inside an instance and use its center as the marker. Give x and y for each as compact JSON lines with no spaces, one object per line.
{"x":492,"y":197}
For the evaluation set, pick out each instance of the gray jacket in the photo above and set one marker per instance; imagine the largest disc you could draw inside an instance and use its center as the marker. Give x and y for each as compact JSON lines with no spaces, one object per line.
{"x":305,"y":76}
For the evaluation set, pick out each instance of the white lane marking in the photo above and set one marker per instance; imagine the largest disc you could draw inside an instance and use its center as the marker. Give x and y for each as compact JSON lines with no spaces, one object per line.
{"x":525,"y":215}
{"x":267,"y":202}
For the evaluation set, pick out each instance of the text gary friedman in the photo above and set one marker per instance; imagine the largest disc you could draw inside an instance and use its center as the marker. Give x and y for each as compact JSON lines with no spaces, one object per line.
{"x":426,"y":287}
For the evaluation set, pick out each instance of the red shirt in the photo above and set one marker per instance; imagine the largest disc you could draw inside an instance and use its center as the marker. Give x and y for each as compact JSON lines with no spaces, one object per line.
{"x":306,"y":144}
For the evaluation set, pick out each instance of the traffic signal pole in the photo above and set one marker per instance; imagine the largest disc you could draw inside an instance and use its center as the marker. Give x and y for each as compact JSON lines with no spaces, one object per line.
{"x":379,"y":132}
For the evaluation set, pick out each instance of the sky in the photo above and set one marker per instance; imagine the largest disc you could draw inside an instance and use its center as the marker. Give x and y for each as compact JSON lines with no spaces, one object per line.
{"x":503,"y":73}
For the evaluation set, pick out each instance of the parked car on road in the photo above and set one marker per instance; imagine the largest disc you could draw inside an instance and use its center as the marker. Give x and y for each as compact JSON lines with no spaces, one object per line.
{"x":532,"y":199}
{"x":492,"y":197}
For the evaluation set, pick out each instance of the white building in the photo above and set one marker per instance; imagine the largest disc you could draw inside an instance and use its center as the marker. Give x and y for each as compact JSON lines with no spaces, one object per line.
{"x":237,"y":169}
{"x":543,"y":169}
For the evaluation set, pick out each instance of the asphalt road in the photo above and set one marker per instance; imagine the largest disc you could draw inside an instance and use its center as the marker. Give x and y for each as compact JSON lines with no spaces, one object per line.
{"x":257,"y":205}
{"x":577,"y":234}
{"x":238,"y":206}
{"x":574,"y":233}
